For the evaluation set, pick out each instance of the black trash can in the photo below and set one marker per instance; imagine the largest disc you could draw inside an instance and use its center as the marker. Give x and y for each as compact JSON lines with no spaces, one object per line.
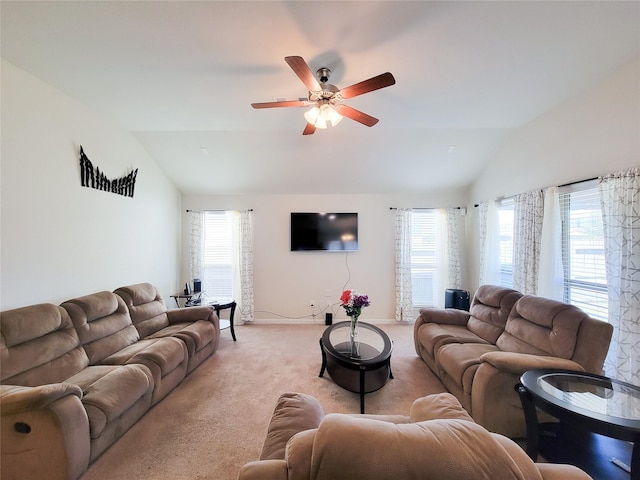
{"x":455,"y":298}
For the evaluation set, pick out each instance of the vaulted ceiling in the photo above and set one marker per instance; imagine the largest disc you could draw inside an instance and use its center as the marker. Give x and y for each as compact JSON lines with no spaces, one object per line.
{"x":181,"y":76}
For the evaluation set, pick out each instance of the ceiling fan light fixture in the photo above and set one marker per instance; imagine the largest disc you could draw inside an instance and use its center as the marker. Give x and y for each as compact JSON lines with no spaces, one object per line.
{"x":319,"y":117}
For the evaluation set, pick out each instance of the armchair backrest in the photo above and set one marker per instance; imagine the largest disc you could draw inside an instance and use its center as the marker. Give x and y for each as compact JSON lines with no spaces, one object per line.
{"x":489,"y":311}
{"x":541,"y":326}
{"x":39,"y":346}
{"x":146,"y":307}
{"x":103,"y":324}
{"x":351,"y":448}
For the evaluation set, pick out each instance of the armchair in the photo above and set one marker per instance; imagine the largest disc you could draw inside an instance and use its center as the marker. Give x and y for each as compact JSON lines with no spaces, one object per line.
{"x":437,"y":440}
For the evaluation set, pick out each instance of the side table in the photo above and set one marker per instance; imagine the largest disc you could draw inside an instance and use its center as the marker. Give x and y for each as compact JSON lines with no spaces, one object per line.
{"x":223,"y":304}
{"x":585,"y":401}
{"x":182,"y":296}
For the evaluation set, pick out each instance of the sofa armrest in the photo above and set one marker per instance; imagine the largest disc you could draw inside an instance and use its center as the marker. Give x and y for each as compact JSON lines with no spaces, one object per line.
{"x":494,"y":402}
{"x":264,"y":470}
{"x":438,"y":406}
{"x":518,"y":363}
{"x":15,"y":398}
{"x":294,"y":413}
{"x":192,"y":314}
{"x":44,"y":432}
{"x":447,"y":316}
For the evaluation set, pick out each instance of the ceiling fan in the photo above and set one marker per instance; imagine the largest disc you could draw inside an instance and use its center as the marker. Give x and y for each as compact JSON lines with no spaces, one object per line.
{"x":325,"y":98}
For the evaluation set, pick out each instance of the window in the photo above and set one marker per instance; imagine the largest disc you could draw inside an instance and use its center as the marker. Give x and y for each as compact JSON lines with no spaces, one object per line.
{"x":217,"y":268}
{"x":424,"y":237}
{"x":505,"y":245}
{"x":585,"y":281}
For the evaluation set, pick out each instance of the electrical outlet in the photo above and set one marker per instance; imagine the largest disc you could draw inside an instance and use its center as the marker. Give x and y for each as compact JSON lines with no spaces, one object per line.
{"x":327,"y":297}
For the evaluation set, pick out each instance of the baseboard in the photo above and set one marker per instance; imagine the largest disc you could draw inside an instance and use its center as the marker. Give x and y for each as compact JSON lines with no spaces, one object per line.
{"x":319,"y":320}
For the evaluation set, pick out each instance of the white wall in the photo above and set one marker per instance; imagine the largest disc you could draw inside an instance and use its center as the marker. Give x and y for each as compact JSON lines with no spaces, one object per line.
{"x":60,"y":240}
{"x":592,"y":134}
{"x":285,"y":281}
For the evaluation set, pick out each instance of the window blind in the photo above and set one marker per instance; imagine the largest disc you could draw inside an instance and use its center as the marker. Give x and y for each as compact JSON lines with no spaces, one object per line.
{"x":424,"y":236}
{"x":217,"y":269}
{"x":585,"y":280}
{"x":505,"y":245}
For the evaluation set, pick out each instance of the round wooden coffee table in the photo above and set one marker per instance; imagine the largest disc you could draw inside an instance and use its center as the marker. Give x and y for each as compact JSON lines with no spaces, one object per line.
{"x":361,"y":368}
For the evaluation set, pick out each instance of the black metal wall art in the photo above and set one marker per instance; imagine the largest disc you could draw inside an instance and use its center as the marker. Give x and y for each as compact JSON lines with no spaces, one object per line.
{"x":93,"y":178}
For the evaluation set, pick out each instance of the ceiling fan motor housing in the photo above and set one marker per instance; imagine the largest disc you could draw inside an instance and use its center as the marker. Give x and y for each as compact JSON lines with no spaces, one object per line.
{"x":323,"y":74}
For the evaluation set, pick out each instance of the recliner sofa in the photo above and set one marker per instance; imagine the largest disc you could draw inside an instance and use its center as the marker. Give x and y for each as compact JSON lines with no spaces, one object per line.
{"x":479,"y":355}
{"x":75,"y":377}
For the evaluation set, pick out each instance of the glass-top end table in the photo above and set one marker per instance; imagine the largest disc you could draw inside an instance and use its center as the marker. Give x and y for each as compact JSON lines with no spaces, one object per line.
{"x":363,"y":366}
{"x":600,"y":404}
{"x":613,"y":400}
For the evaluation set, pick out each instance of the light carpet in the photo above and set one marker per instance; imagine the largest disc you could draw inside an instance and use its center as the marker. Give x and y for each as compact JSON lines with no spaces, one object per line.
{"x":216,"y":419}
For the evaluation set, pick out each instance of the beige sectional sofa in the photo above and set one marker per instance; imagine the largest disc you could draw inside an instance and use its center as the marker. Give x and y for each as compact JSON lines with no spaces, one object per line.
{"x":437,"y":440}
{"x":480,"y":355}
{"x":76,"y":376}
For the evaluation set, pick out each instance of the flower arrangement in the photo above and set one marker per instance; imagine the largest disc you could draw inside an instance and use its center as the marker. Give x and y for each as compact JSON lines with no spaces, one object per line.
{"x":353,"y":302}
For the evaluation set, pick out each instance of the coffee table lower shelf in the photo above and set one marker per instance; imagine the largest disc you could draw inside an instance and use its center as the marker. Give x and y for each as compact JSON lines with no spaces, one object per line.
{"x":593,"y":453}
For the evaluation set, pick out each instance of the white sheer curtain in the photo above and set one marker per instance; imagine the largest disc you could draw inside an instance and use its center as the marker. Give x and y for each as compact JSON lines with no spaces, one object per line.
{"x":404,"y":301}
{"x":489,"y":272}
{"x":551,"y":276}
{"x":441,"y":275}
{"x":196,"y":240}
{"x":620,"y":197}
{"x":243,"y":268}
{"x":527,"y":237}
{"x":453,"y":248}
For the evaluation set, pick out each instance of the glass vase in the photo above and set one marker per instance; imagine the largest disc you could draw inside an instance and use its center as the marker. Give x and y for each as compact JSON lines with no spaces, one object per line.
{"x":354,"y":344}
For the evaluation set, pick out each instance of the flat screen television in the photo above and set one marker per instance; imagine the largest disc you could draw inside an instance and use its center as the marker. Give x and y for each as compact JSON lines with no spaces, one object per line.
{"x":324,"y":231}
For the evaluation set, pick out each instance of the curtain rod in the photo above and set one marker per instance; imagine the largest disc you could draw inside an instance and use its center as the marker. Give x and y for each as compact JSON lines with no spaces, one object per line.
{"x":578,"y":181}
{"x":219,"y":210}
{"x":565,"y":185}
{"x":427,"y":208}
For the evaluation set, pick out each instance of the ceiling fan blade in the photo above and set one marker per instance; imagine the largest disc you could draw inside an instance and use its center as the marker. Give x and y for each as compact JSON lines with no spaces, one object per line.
{"x":366,"y":86}
{"x":309,"y":129}
{"x":300,"y":67}
{"x":290,"y":103}
{"x":356,"y":115}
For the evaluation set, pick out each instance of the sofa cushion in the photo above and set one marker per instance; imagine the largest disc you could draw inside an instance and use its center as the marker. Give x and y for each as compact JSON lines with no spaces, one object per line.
{"x":103,"y":324}
{"x":146,"y":307}
{"x":432,"y":336}
{"x":39,"y":346}
{"x":196,"y":335}
{"x":165,"y":354}
{"x":109,"y":391}
{"x":489,"y":311}
{"x":542,"y":326}
{"x":455,"y":359}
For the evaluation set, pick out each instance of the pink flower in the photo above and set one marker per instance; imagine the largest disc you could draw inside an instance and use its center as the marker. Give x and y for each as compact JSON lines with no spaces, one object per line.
{"x":345,"y":297}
